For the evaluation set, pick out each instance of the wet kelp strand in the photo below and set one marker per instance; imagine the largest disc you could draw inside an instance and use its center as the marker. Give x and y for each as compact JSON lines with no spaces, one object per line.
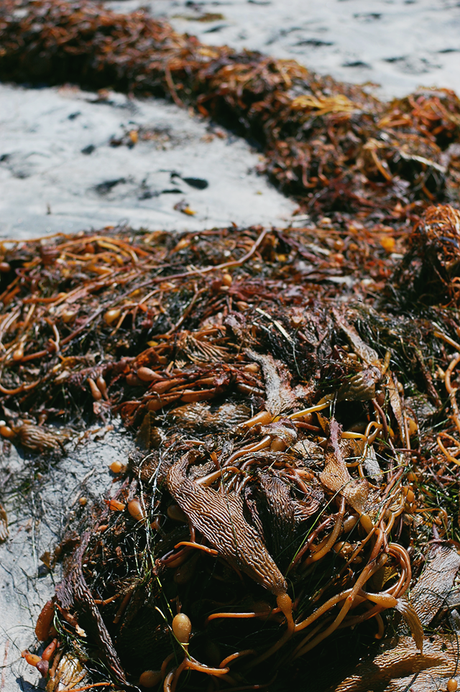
{"x":297,"y":438}
{"x":292,"y":393}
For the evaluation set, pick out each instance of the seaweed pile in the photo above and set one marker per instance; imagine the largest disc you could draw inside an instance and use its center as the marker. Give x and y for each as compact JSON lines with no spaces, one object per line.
{"x":297,"y":442}
{"x":333,"y":146}
{"x":291,"y":393}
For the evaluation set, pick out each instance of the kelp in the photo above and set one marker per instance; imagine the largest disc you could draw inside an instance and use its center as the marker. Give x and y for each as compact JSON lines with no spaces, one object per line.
{"x":297,"y":442}
{"x":291,"y":393}
{"x":334,"y":147}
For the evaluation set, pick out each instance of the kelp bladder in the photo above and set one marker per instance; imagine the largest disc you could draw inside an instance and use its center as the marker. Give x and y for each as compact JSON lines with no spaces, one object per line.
{"x":295,"y":452}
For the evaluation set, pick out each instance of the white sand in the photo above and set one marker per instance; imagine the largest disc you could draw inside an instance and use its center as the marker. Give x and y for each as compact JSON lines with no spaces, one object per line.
{"x":399,"y":44}
{"x":51,"y":183}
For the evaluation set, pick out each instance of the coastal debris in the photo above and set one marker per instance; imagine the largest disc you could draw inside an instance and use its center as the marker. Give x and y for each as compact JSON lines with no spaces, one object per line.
{"x":296,"y":443}
{"x":292,"y":393}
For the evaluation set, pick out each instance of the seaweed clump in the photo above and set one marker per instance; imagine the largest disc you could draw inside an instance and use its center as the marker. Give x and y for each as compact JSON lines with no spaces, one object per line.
{"x":333,"y":146}
{"x":431,"y":266}
{"x":288,"y":477}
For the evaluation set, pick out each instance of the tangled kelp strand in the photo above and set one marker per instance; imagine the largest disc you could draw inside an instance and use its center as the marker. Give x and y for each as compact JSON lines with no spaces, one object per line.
{"x":3,"y":524}
{"x":324,"y":431}
{"x":284,"y":457}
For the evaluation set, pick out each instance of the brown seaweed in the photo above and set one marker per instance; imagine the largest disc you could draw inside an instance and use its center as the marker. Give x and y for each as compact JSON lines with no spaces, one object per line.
{"x":288,"y":478}
{"x":294,"y":407}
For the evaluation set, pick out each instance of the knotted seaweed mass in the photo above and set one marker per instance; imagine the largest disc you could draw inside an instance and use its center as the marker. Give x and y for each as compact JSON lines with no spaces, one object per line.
{"x":285,"y":444}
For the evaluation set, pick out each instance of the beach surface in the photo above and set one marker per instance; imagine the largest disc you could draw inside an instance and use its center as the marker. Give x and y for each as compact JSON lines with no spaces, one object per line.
{"x":68,"y":163}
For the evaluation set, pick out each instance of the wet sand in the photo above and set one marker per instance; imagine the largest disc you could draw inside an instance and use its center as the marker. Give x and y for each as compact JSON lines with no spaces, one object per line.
{"x":398,"y":44}
{"x":63,"y":168}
